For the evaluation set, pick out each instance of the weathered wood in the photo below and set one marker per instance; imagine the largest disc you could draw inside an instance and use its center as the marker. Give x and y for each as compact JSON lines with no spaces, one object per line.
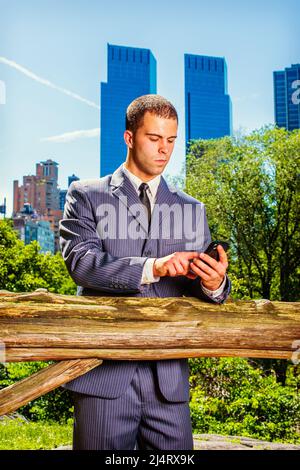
{"x":43,"y":381}
{"x":58,"y":354}
{"x":82,"y":331}
{"x":43,"y":325}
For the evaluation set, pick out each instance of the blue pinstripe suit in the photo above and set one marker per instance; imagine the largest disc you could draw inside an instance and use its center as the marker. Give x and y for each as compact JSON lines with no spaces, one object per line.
{"x":104,"y":264}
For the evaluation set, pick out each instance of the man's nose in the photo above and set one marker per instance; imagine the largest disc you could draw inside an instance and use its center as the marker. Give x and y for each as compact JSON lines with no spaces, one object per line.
{"x":163,"y":148}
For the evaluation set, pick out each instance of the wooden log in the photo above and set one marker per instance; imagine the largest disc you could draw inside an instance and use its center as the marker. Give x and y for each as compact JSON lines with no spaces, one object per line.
{"x":82,"y":331}
{"x":43,"y":381}
{"x":58,"y":354}
{"x":117,"y":327}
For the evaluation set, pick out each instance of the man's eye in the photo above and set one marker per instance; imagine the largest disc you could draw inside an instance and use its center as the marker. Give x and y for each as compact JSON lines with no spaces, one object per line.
{"x":171,"y":141}
{"x":153,"y":140}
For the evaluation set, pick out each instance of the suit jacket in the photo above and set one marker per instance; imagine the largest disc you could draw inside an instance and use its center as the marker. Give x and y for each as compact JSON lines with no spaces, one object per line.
{"x":104,"y":262}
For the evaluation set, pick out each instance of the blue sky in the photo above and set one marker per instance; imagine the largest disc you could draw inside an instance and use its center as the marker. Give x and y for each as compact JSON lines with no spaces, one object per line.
{"x":52,"y":51}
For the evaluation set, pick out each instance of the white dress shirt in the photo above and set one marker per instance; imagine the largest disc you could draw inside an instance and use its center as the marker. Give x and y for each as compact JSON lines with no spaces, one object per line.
{"x":147,"y":274}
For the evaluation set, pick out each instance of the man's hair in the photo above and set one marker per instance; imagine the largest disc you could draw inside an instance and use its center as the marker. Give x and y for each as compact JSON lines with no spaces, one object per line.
{"x":154,"y":104}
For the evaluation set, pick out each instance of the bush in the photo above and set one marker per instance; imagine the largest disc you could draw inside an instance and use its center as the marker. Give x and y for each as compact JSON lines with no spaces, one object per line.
{"x":229,"y":396}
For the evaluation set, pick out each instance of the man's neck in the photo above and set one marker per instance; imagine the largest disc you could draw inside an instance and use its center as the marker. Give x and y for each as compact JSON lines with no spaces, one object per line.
{"x":132,"y":169}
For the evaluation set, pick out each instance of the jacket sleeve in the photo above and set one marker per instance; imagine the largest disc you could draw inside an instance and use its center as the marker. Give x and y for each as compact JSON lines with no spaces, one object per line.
{"x":82,"y":250}
{"x":194,"y":288}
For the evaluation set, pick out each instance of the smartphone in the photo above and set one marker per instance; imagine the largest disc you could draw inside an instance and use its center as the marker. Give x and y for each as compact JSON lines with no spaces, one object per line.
{"x":212,"y":251}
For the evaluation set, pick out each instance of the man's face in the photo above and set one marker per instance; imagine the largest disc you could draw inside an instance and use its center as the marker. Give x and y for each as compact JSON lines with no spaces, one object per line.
{"x":152,"y":145}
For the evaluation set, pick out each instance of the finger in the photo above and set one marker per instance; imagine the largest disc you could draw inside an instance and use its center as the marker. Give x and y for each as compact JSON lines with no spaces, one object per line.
{"x":171,"y":270}
{"x":185,"y":263}
{"x":199,"y":272}
{"x":189,"y":254}
{"x":207,"y":269}
{"x":209,"y":260}
{"x":180,"y":270}
{"x":222,"y":255}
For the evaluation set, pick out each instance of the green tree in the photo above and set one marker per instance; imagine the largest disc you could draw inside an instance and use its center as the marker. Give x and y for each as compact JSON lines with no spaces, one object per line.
{"x":250,"y":186}
{"x":23,"y":268}
{"x":231,"y":396}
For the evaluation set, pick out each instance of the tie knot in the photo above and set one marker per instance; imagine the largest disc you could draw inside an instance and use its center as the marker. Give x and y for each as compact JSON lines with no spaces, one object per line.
{"x":143,"y":187}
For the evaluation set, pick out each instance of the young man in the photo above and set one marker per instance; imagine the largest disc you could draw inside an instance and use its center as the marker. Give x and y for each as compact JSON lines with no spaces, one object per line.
{"x":152,"y":248}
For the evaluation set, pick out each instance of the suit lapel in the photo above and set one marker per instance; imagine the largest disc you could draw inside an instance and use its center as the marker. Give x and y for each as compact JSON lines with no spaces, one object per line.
{"x":123,"y":189}
{"x":165,"y":196}
{"x":127,"y":195}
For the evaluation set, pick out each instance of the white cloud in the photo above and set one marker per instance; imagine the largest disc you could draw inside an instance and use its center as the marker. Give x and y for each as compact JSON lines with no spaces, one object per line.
{"x":46,"y":82}
{"x":241,"y":99}
{"x":71,"y":136}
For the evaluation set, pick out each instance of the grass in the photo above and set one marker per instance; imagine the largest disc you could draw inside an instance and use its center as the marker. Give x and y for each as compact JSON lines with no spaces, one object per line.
{"x":15,"y":434}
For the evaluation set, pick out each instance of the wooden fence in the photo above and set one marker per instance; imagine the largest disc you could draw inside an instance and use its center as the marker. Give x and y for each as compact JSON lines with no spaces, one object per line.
{"x":80,"y":332}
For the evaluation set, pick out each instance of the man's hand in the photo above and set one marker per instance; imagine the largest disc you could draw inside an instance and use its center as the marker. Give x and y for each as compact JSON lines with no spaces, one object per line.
{"x":176,"y":264}
{"x":211,"y":276}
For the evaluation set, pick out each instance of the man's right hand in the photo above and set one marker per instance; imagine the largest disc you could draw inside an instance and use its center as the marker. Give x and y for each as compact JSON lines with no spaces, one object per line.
{"x":176,"y":264}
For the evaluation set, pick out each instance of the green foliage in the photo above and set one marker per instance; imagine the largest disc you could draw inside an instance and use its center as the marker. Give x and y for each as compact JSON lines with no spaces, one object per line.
{"x":250,"y":187}
{"x":15,"y":434}
{"x":229,"y":396}
{"x":23,"y":268}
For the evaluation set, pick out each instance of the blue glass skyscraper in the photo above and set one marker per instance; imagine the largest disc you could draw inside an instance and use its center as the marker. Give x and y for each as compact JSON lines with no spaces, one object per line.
{"x":208,"y":112}
{"x":131,"y":72}
{"x":286,"y":97}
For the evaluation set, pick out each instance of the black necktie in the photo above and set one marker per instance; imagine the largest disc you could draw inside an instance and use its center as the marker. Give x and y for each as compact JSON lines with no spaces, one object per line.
{"x":145,"y":200}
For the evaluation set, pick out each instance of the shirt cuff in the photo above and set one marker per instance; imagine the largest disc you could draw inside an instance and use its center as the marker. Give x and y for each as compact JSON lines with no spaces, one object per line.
{"x":147,"y":274}
{"x":214,"y":293}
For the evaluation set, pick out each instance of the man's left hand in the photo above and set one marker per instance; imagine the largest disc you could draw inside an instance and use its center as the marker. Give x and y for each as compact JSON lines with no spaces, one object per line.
{"x":211,"y":274}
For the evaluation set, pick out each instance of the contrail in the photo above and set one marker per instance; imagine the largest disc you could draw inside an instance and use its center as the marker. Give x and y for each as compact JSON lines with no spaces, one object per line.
{"x":43,"y":81}
{"x":74,"y":135}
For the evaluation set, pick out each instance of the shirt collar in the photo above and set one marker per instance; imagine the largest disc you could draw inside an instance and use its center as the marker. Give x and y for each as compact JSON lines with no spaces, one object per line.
{"x":136,"y":181}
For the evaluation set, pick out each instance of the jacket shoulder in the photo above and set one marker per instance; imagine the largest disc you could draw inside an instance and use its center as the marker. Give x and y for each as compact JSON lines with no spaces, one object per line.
{"x":90,"y":185}
{"x":187,"y":199}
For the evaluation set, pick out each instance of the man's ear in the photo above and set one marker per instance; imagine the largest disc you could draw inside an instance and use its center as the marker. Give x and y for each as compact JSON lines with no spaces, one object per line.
{"x":128,"y":137}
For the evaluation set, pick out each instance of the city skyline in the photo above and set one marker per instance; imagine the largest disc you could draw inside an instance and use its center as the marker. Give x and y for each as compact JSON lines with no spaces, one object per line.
{"x":52,"y":78}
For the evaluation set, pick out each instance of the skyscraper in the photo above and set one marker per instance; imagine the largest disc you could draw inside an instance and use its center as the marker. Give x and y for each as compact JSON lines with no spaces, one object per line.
{"x":131,"y":72}
{"x":42,"y":193}
{"x":39,"y":190}
{"x":287,"y":97}
{"x":208,"y":112}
